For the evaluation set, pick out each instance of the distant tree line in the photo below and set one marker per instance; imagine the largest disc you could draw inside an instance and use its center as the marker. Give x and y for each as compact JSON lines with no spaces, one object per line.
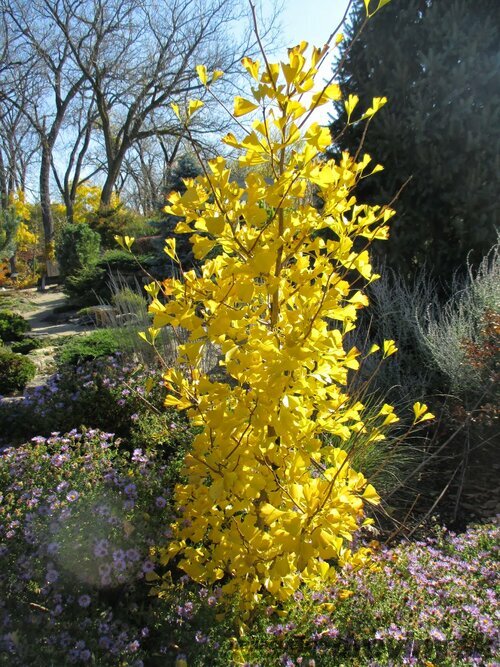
{"x":86,"y":88}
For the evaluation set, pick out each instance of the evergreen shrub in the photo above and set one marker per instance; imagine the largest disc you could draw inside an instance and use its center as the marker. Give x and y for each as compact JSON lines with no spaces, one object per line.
{"x":78,"y":247}
{"x":15,"y":372}
{"x":26,"y":345}
{"x":12,"y":326}
{"x":79,"y":349}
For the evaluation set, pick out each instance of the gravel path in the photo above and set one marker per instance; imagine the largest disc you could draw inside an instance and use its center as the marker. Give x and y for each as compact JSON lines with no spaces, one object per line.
{"x":44,"y":324}
{"x":43,"y":320}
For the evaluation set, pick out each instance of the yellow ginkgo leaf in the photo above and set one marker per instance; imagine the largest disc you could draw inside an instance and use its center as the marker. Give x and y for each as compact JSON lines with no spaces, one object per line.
{"x":243,"y":106}
{"x":202,"y":73}
{"x":252,"y":67}
{"x":377,"y":103}
{"x":193,"y":106}
{"x":370,"y":495}
{"x":175,"y":109}
{"x":231,"y":140}
{"x":350,"y":105}
{"x":389,"y":348}
{"x":170,"y":248}
{"x":331,"y":92}
{"x":125,"y":241}
{"x":152,"y":289}
{"x":420,"y":412}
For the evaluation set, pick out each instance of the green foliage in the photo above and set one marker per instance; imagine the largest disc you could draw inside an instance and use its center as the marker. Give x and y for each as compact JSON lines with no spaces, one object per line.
{"x":15,"y":372}
{"x":12,"y":326}
{"x":9,"y":223}
{"x":26,"y":345}
{"x":440,"y":127}
{"x":410,"y":610}
{"x":79,"y":349}
{"x":127,"y":300}
{"x":77,"y":248}
{"x":397,"y":307}
{"x":86,"y":556}
{"x":186,"y":167}
{"x":85,"y":287}
{"x":118,"y":260}
{"x":92,"y":284}
{"x":117,"y":219}
{"x":78,"y":514}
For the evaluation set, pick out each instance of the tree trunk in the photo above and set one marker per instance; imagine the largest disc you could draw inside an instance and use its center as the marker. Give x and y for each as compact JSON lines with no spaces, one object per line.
{"x":12,"y":265}
{"x":47,"y":221}
{"x":110,"y":182}
{"x":4,"y":196}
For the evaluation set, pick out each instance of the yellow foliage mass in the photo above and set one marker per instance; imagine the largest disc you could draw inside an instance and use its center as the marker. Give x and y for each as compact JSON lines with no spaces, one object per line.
{"x":267,"y":506}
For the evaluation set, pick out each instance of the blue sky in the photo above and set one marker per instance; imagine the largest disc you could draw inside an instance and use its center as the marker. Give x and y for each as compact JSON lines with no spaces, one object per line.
{"x":311,"y":20}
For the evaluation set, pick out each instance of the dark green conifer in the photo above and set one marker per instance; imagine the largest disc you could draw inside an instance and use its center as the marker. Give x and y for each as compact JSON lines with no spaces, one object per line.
{"x":438,"y":63}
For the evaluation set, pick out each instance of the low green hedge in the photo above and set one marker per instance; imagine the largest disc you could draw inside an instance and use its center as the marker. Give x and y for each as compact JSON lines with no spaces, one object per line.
{"x":79,"y":349}
{"x":15,"y":372}
{"x":12,"y":326}
{"x":26,"y":345}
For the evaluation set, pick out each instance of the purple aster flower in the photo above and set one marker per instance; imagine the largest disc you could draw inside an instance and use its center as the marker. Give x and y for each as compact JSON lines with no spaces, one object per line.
{"x":160,"y":502}
{"x":105,"y":642}
{"x":437,"y":635}
{"x":84,"y":600}
{"x":101,"y":548}
{"x":130,"y":490}
{"x":73,"y":655}
{"x":52,"y":576}
{"x":119,"y":565}
{"x":148,"y":566}
{"x":133,"y":555}
{"x":186,"y":610}
{"x":52,"y":548}
{"x":104,"y":569}
{"x":72,"y":496}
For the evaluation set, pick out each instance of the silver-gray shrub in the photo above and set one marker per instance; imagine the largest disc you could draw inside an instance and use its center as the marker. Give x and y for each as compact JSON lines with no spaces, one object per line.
{"x":446,"y":331}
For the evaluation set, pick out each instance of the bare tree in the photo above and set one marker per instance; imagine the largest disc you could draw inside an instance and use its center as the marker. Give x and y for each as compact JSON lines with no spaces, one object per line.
{"x":43,"y":84}
{"x":77,"y":143}
{"x":145,"y":171}
{"x":139,"y":57}
{"x":19,"y":147}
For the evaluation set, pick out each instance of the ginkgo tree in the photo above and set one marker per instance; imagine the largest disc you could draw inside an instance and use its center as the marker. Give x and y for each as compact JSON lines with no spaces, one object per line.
{"x":267,"y":503}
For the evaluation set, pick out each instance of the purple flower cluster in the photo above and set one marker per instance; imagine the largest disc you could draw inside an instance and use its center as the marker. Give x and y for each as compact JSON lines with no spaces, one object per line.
{"x":72,"y":531}
{"x":97,"y":393}
{"x":429,"y":602}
